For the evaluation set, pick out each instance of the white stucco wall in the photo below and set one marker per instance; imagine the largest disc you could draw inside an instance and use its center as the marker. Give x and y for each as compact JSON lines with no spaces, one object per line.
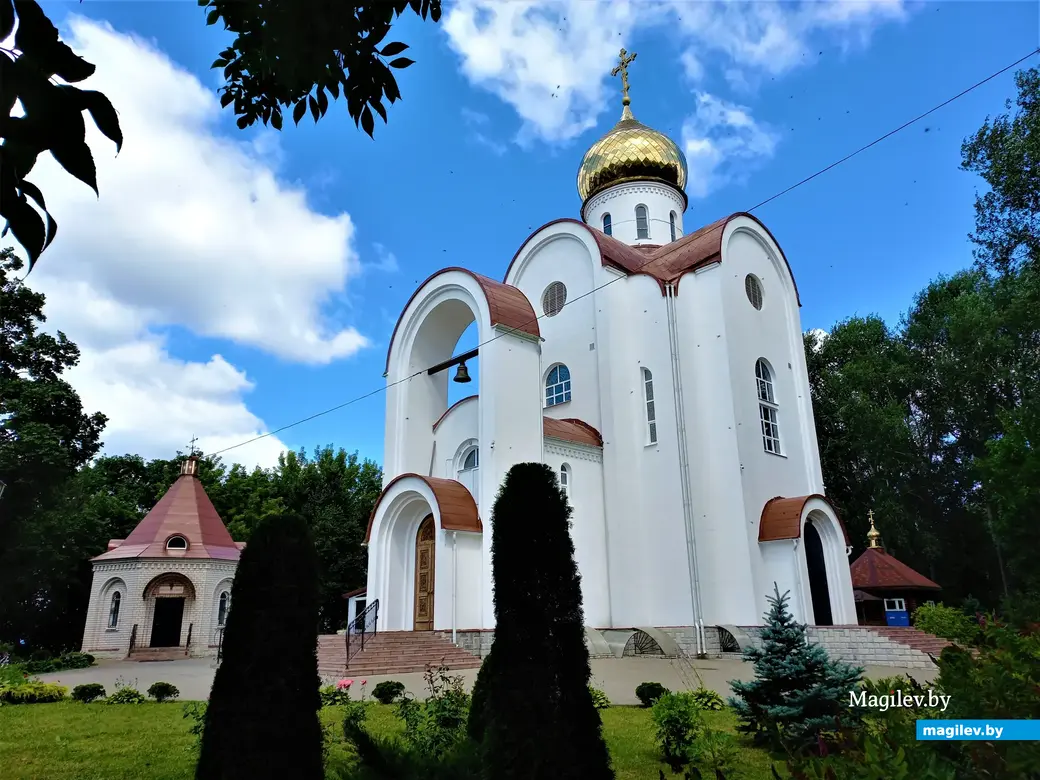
{"x":459,"y":426}
{"x":588,"y":524}
{"x":620,"y":202}
{"x":564,"y":253}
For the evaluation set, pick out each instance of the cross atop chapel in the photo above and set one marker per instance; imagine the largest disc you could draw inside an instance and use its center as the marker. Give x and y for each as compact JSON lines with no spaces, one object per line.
{"x":624,"y":60}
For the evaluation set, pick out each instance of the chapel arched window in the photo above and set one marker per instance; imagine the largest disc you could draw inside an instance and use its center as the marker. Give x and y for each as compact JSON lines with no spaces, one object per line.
{"x":671,"y":224}
{"x":113,"y":610}
{"x":607,"y":227}
{"x":642,"y":222}
{"x":558,"y":386}
{"x":565,"y":479}
{"x":222,"y":608}
{"x":767,"y":408}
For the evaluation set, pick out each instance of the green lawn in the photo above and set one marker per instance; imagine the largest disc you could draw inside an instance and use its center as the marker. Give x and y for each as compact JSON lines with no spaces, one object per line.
{"x":73,"y":741}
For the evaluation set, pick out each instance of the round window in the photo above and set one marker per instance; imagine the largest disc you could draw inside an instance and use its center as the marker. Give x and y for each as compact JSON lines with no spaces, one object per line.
{"x":554,"y":298}
{"x":753,"y":288}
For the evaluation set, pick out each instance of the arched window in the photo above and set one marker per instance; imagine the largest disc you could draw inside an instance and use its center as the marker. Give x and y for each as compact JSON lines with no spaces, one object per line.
{"x":651,"y":411}
{"x":642,"y":222}
{"x":607,"y":228}
{"x":469,"y":470}
{"x":671,"y":224}
{"x":767,"y":408}
{"x":176,"y":543}
{"x":565,"y":479}
{"x":558,"y":386}
{"x":113,"y":610}
{"x":222,"y":608}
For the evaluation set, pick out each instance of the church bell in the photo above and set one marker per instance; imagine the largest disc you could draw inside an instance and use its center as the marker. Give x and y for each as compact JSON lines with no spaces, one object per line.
{"x":462,"y":375}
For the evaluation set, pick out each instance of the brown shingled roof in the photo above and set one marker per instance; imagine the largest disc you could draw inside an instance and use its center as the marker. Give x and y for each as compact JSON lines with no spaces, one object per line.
{"x":665,"y":263}
{"x":782,"y":518}
{"x":573,"y":430}
{"x":457,"y":507}
{"x":185,"y":510}
{"x":508,"y":306}
{"x":875,"y":569}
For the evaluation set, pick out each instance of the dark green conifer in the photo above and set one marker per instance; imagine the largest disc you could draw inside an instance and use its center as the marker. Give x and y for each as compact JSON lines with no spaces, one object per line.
{"x":262,"y":720}
{"x":540,"y":721}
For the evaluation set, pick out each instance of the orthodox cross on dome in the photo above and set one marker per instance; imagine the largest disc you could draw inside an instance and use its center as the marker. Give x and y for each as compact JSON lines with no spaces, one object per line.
{"x":624,"y":60}
{"x":873,"y":534}
{"x":194,"y":439}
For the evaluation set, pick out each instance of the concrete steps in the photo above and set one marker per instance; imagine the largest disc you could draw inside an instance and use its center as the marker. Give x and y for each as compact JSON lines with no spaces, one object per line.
{"x":913,"y":637}
{"x":392,"y":652}
{"x":144,"y":654}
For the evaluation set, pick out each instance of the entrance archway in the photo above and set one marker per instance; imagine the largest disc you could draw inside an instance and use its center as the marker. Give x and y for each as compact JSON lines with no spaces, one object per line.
{"x":815,"y":561}
{"x":425,"y":563}
{"x":168,"y":598}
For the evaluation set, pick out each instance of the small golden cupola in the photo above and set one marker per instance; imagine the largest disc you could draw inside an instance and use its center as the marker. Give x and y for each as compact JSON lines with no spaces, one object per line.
{"x":631,"y":152}
{"x":873,"y":535}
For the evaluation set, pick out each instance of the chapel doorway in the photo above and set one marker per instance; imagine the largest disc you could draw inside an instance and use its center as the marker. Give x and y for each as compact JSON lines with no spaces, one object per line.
{"x":166,"y":624}
{"x":814,"y":560}
{"x":424,"y":574}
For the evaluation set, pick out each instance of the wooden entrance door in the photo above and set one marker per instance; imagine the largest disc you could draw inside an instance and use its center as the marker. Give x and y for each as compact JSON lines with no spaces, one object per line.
{"x":424,"y":571}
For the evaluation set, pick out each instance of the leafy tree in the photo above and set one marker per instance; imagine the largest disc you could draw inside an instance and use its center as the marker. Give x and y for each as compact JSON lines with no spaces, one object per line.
{"x":335,"y":492}
{"x":540,"y":718}
{"x":262,"y":719}
{"x":798,"y":692}
{"x":298,"y":53}
{"x":44,"y":437}
{"x":1005,"y":152}
{"x":285,"y":53}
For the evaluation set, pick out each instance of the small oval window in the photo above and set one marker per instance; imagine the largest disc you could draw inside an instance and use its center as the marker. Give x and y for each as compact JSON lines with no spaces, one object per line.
{"x":554,"y":298}
{"x":753,"y":288}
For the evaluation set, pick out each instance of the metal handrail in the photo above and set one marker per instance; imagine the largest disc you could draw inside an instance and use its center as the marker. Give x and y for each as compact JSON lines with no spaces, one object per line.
{"x":187,"y":644}
{"x":220,"y":643}
{"x":133,"y":641}
{"x":364,"y":624}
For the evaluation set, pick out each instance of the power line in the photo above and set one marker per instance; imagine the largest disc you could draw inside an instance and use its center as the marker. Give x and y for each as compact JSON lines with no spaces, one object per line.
{"x":770,"y":199}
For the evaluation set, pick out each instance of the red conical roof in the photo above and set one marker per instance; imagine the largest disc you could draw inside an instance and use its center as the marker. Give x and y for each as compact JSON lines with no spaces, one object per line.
{"x":875,"y":569}
{"x":184,"y":511}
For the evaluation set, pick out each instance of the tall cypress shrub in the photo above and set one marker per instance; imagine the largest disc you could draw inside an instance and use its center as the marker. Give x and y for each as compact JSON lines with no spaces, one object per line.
{"x":540,"y":721}
{"x":262,"y":719}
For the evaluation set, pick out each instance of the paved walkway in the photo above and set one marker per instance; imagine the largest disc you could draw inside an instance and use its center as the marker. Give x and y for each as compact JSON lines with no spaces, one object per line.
{"x":617,"y":677}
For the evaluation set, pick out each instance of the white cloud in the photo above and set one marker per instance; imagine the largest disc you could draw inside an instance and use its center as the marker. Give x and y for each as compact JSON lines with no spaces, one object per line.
{"x":195,"y":231}
{"x":387,"y":262}
{"x":193,"y":228}
{"x":551,"y":59}
{"x":722,"y":142}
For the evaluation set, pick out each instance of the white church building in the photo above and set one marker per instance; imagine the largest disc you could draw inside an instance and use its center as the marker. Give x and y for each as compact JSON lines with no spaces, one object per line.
{"x":660,"y":372}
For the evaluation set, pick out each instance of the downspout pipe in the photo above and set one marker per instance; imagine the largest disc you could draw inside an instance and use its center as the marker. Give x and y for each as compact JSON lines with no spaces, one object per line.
{"x":454,"y":584}
{"x":684,"y":469}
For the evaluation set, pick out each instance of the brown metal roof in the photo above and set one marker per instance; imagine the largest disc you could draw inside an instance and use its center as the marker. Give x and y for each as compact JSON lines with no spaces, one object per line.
{"x":782,"y":518}
{"x":448,"y":410}
{"x":875,"y":569}
{"x":508,"y":306}
{"x":665,"y":263}
{"x":573,"y":430}
{"x":457,"y":507}
{"x":185,"y":511}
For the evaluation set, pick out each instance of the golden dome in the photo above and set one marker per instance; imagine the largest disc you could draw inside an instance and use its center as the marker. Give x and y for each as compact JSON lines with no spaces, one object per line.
{"x":631,"y":151}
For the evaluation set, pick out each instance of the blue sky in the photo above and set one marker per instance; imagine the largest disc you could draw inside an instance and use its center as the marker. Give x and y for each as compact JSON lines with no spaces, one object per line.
{"x":228,"y":283}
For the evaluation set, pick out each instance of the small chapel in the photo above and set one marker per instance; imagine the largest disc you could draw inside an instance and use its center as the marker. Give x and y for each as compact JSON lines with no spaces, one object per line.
{"x":164,"y":592}
{"x":659,"y":371}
